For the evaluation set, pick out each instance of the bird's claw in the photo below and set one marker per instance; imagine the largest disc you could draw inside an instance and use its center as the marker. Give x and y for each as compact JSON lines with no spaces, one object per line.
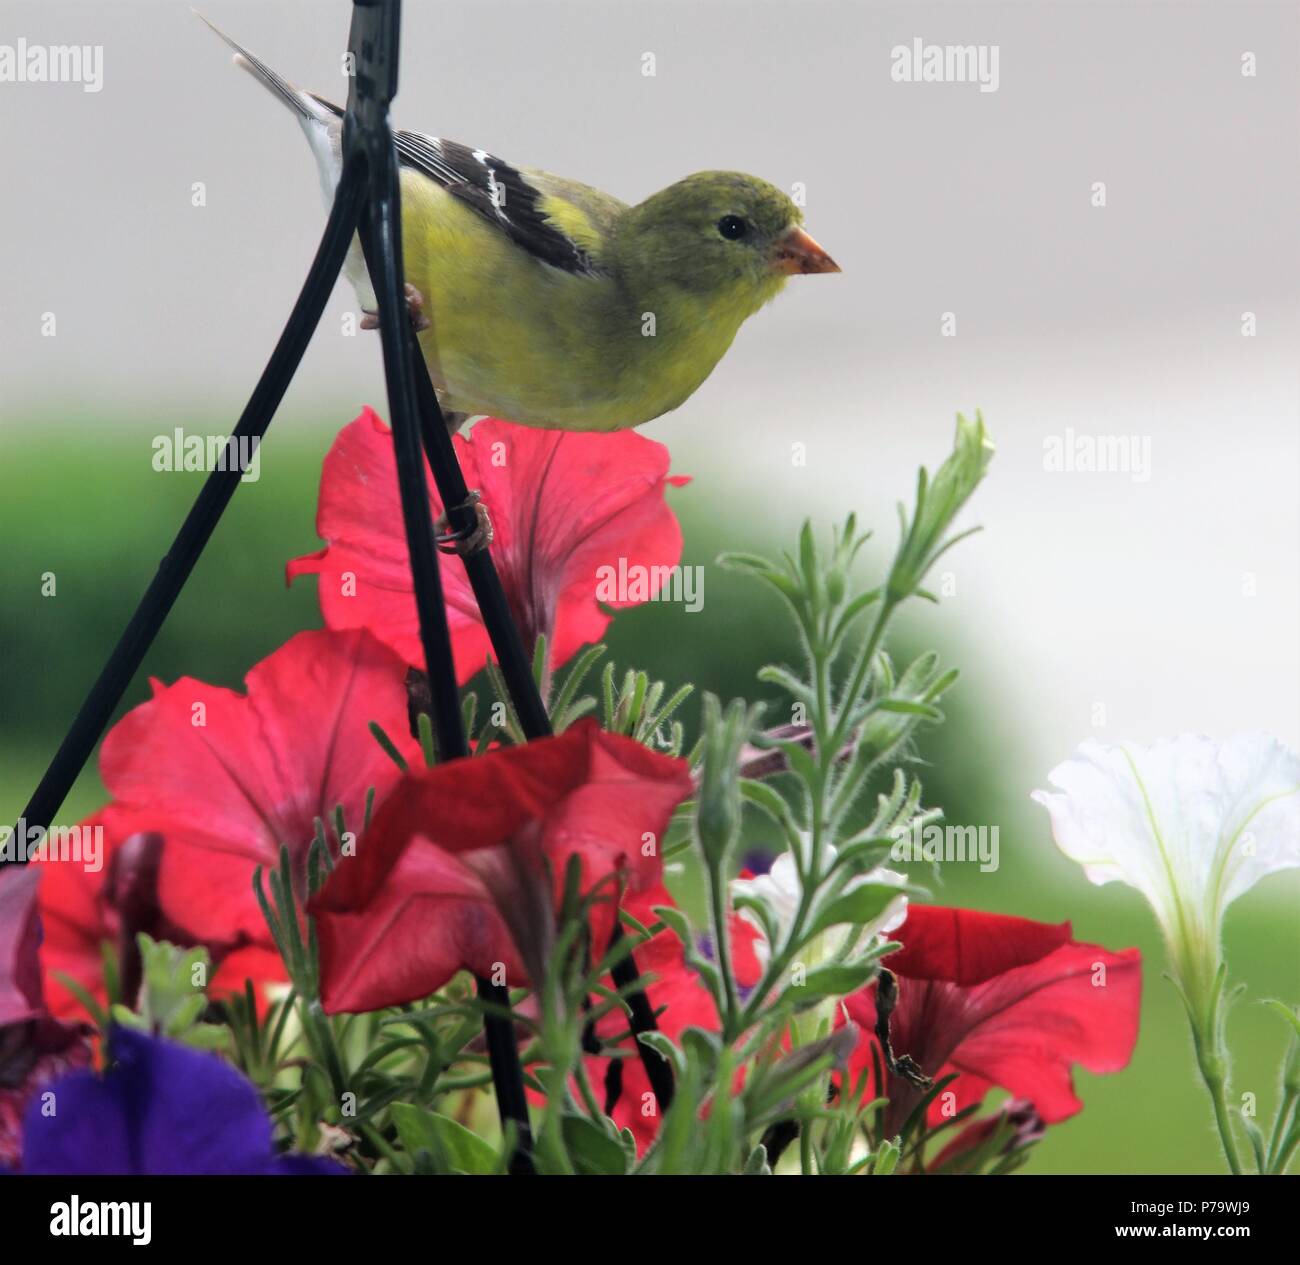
{"x":414,"y":308}
{"x":465,"y":541}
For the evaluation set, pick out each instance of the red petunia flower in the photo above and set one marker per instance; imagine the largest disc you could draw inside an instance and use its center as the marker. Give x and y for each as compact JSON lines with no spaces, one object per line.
{"x":83,"y":909}
{"x":35,"y":1047}
{"x":226,"y":778}
{"x":563,"y":505}
{"x":1001,"y":1001}
{"x":452,"y":874}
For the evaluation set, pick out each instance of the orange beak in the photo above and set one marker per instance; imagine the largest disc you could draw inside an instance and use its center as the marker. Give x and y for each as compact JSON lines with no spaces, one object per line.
{"x":796,"y":252}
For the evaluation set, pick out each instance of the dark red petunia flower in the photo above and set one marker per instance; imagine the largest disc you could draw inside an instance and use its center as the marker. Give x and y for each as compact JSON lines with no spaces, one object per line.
{"x":35,"y":1047}
{"x":452,"y":874}
{"x":1003,"y":1002}
{"x":562,"y":504}
{"x":226,"y":778}
{"x":81,"y":910}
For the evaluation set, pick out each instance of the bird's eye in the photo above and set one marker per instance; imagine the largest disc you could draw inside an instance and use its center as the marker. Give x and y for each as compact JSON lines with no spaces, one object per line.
{"x":732,"y":227}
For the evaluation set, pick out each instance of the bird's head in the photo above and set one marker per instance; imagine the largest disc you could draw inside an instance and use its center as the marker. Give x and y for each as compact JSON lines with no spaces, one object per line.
{"x":723,"y":231}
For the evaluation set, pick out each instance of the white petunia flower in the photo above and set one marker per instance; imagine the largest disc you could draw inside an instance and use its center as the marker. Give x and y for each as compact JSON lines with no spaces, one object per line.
{"x":1190,"y":822}
{"x":780,"y":891}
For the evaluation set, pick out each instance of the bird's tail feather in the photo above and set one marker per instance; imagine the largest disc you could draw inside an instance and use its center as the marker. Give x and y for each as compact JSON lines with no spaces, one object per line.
{"x":300,"y":102}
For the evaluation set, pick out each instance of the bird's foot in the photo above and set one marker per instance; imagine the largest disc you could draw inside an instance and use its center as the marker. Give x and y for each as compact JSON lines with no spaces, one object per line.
{"x":414,"y":307}
{"x":465,"y":540}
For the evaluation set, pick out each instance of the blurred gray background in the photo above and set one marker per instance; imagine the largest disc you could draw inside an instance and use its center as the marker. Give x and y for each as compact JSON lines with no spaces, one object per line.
{"x":1171,"y":602}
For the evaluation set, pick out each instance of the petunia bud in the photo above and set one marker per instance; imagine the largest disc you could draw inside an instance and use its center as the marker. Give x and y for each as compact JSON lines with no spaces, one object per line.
{"x":938,"y":502}
{"x":717,"y":816}
{"x":1013,"y":1127}
{"x":835,"y":586}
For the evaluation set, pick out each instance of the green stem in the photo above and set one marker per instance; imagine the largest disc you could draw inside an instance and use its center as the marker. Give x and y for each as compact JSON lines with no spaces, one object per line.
{"x":560,"y":1044}
{"x":320,"y":1037}
{"x":1212,"y":1063}
{"x":1286,"y":1150}
{"x":1280,"y":1129}
{"x":381,"y":1147}
{"x":1219,"y":1098}
{"x":594,"y":1109}
{"x":551,"y":1143}
{"x":776,"y":967}
{"x":858,"y":681}
{"x":722,"y":944}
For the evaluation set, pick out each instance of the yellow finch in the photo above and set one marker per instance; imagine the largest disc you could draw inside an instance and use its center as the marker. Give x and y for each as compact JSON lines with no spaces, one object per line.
{"x":550,"y":303}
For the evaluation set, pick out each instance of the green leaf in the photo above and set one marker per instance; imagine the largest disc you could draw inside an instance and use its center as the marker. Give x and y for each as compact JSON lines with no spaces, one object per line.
{"x":858,"y":906}
{"x":389,"y":746}
{"x":1257,"y":1143}
{"x":1286,"y":1012}
{"x":183,"y":1013}
{"x":703,"y":1048}
{"x":208,"y":1036}
{"x":665,"y":713}
{"x":906,"y":707}
{"x":750,"y":563}
{"x":937,"y":504}
{"x":917,"y":1118}
{"x":773,"y":803}
{"x":851,"y":612}
{"x":886,"y":1159}
{"x":124,"y":1017}
{"x":594,"y":1152}
{"x":800,"y":759}
{"x":664,"y":1045}
{"x":468,"y":715}
{"x":539,"y":661}
{"x":702,"y":966}
{"x":762,"y":911}
{"x":863,"y":852}
{"x":836,"y":980}
{"x":676,"y":922}
{"x":428,"y":745}
{"x":779,"y":1084}
{"x":628,"y":1139}
{"x":573,"y":681}
{"x":808,"y":557}
{"x":454,"y":1145}
{"x":783,"y":678}
{"x":95,"y":1010}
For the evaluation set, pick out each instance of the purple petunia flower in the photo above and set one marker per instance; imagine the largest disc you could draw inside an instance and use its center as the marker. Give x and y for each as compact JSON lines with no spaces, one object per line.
{"x":161,"y":1108}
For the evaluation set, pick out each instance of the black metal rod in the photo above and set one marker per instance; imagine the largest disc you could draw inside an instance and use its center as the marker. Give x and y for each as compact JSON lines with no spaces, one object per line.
{"x":513,"y":657}
{"x":657,"y":1068}
{"x":503,"y":1054}
{"x":177,"y":565}
{"x":381,"y":241}
{"x":382,"y":244}
{"x":373,"y":42}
